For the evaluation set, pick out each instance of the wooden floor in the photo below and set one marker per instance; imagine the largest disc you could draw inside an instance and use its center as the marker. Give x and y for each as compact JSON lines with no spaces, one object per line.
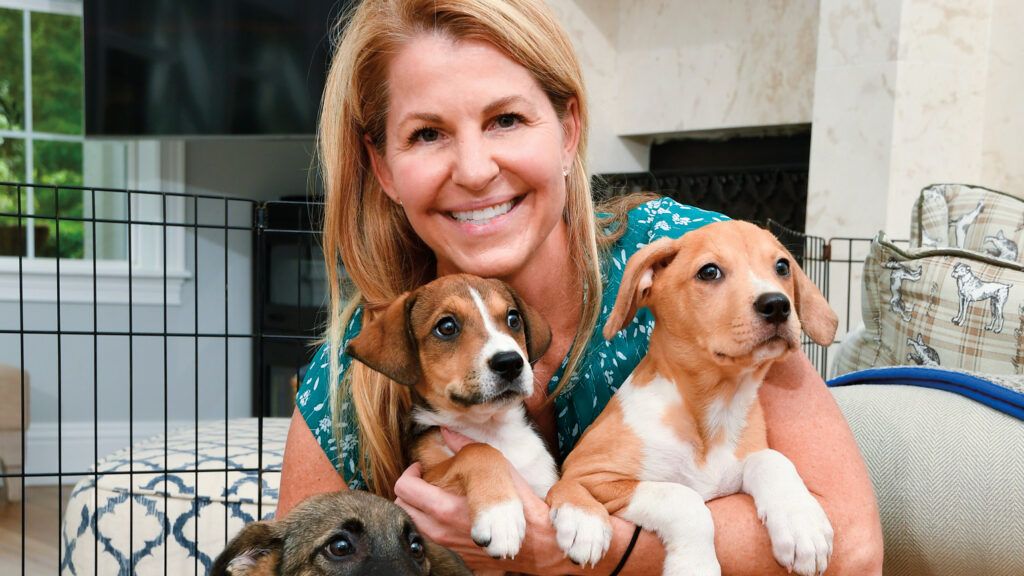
{"x":42,"y":532}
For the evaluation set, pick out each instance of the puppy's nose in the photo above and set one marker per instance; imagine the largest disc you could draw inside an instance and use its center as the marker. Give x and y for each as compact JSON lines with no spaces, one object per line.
{"x":773,"y":307}
{"x":506,"y":364}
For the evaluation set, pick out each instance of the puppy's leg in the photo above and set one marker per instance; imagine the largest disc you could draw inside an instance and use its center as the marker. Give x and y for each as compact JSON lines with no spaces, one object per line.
{"x":800,"y":531}
{"x":581,"y":523}
{"x":481,"y":472}
{"x":678,"y":515}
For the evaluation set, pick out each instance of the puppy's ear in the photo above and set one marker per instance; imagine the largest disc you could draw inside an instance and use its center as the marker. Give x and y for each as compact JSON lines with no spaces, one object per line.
{"x":386,"y":343}
{"x":538,"y":333}
{"x":818,"y":320}
{"x":444,"y":562}
{"x":637,"y":281}
{"x":255,"y":551}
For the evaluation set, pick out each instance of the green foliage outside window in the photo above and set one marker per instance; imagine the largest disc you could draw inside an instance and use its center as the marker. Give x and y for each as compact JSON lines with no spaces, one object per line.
{"x":57,"y":108}
{"x":12,"y":75}
{"x":57,"y":77}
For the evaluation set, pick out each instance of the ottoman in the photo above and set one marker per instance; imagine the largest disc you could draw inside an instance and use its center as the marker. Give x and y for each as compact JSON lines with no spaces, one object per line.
{"x":152,"y":522}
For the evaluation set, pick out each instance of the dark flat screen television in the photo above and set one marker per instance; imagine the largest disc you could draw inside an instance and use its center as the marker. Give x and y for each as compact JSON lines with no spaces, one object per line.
{"x":180,"y":68}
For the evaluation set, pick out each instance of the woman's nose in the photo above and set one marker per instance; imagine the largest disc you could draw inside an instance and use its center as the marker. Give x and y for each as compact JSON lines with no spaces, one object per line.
{"x":475,"y":166}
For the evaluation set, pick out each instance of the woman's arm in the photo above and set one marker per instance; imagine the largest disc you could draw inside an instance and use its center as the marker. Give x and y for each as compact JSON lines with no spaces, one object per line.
{"x":804,"y":423}
{"x":306,"y":471}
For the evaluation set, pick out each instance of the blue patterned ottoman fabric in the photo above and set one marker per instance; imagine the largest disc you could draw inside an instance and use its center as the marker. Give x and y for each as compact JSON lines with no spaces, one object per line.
{"x":179,"y":521}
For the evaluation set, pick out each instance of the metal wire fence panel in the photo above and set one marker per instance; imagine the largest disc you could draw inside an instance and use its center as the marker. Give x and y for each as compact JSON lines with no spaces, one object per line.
{"x":133,"y":356}
{"x":148,"y":368}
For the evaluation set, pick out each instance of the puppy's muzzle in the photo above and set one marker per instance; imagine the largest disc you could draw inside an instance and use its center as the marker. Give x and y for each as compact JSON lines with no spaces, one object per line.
{"x":773,"y":307}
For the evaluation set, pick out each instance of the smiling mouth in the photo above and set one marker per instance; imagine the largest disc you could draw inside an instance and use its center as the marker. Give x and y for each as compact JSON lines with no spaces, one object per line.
{"x":485,"y":215}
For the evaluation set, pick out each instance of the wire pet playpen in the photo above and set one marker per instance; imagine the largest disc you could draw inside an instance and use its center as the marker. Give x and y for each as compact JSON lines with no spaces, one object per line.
{"x":148,"y":372}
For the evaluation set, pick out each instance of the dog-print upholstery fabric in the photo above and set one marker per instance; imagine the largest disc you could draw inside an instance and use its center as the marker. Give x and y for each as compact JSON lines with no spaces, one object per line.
{"x":944,"y":308}
{"x":970,"y":218}
{"x":603,"y":368}
{"x":181,"y":518}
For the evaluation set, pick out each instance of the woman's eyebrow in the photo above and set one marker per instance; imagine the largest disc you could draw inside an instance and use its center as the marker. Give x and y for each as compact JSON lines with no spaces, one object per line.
{"x":502,"y":104}
{"x":422,"y":117}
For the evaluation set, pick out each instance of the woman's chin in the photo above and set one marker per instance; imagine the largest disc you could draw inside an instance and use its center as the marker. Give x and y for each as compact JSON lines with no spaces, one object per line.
{"x":495,"y":263}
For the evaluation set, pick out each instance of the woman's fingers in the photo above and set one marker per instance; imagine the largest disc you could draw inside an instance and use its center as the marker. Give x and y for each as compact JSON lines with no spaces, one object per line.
{"x":429,"y":499}
{"x":454,"y":440}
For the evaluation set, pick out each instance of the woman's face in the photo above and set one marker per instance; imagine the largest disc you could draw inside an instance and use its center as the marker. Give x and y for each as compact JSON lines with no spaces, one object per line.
{"x":475,"y":153}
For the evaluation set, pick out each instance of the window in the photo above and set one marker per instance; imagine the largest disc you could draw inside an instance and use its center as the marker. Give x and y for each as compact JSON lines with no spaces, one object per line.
{"x":41,"y":127}
{"x":42,"y":142}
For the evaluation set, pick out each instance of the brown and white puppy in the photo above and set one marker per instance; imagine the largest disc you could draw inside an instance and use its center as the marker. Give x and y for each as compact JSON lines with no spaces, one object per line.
{"x":348,"y":533}
{"x":686,"y":427}
{"x":464,"y":345}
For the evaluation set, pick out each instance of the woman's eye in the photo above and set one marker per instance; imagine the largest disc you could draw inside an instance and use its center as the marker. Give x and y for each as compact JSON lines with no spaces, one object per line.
{"x":514,"y":320}
{"x":446,"y":328}
{"x":782,"y":267}
{"x":425,"y":135}
{"x":709,"y":272}
{"x":416,"y":547}
{"x":339,"y":548}
{"x":506,"y":121}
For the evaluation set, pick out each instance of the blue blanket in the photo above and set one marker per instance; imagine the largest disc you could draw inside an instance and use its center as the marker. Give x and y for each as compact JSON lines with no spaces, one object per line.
{"x":1004,"y":393}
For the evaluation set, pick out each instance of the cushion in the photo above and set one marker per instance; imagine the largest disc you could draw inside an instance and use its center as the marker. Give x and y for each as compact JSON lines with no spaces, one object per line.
{"x":943,"y":307}
{"x":947,"y":475}
{"x":969,"y":217}
{"x":201,"y":511}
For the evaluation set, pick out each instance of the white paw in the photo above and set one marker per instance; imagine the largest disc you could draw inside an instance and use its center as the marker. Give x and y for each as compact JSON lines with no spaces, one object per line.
{"x":500,"y":529}
{"x":800,"y":532}
{"x":584,"y":537}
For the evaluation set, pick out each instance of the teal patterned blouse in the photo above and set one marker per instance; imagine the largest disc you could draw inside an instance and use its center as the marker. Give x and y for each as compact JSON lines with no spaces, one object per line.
{"x":605,"y":365}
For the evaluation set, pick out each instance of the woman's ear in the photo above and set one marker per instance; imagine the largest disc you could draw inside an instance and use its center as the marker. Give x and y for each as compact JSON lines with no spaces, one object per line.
{"x":380,"y":168}
{"x":570,"y":131}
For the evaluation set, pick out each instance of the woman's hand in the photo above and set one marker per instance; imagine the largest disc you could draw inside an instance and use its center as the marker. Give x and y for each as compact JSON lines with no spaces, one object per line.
{"x":444,"y":518}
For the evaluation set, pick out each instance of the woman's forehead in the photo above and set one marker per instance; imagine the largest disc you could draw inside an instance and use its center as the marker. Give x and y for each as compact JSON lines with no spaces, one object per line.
{"x":434,"y":74}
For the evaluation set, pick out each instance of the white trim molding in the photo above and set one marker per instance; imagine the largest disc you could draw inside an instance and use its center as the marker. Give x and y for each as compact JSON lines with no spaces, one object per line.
{"x":70,"y":7}
{"x":38,"y":282}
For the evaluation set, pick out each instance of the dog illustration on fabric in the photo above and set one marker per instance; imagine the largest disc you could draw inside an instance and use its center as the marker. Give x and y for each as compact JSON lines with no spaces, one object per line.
{"x":1000,"y":246}
{"x":921,"y":353}
{"x":973,"y":289}
{"x":899,"y":274}
{"x":961,"y":224}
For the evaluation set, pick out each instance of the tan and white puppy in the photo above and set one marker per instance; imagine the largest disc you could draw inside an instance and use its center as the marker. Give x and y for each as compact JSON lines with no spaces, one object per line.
{"x":686,"y":426}
{"x":464,"y":345}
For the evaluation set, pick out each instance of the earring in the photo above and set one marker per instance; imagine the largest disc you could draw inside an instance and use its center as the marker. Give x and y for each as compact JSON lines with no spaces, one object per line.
{"x":565,"y":171}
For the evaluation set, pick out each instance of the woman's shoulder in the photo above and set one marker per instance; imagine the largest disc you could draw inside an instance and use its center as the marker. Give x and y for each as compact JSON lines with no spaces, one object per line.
{"x":313,"y":398}
{"x":664,"y":217}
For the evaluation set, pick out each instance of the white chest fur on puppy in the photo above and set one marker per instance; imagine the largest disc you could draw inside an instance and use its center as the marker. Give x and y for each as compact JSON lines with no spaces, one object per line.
{"x":464,"y":345}
{"x":687,"y":426}
{"x":514,"y":437}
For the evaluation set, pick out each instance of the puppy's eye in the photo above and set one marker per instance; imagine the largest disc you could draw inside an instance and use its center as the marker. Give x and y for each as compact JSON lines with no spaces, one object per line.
{"x":709,"y":272}
{"x":782,"y":267}
{"x":339,"y":548}
{"x":514,"y":320}
{"x":446,"y":328}
{"x":416,"y":547}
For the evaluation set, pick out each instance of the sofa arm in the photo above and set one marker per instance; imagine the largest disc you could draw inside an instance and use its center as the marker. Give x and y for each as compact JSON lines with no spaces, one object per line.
{"x":948,"y":473}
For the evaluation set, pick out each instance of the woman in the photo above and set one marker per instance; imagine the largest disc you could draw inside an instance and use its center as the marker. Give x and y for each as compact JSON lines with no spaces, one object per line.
{"x":453,"y":139}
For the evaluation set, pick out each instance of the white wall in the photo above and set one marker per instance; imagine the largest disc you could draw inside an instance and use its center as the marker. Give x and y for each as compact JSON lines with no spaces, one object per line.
{"x":664,"y":68}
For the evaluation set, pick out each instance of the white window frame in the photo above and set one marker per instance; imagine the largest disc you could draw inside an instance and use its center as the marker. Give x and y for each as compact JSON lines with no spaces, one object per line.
{"x":149,"y":165}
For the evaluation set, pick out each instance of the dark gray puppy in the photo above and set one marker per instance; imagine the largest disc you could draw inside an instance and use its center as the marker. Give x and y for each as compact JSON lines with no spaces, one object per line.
{"x":341,"y":534}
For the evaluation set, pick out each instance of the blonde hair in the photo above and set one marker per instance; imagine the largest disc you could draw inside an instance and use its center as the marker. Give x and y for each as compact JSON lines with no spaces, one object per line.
{"x":364,"y":229}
